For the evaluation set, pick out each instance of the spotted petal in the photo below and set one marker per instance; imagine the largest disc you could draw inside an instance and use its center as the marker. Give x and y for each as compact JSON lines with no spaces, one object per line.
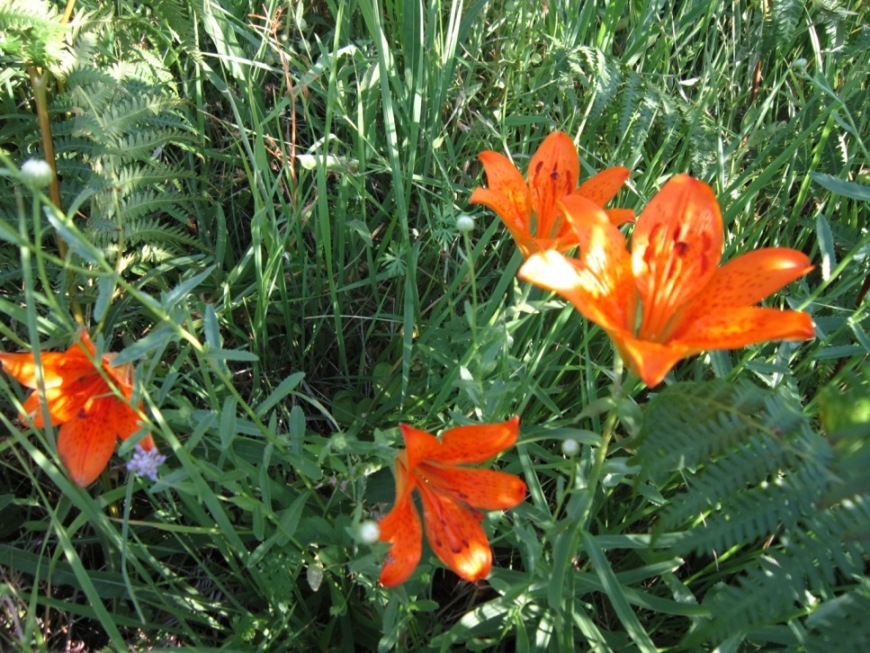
{"x":506,"y":192}
{"x":743,"y":326}
{"x":651,"y":361}
{"x":553,"y":173}
{"x":455,"y":535}
{"x":401,"y":527}
{"x":748,"y":279}
{"x":602,"y":187}
{"x":419,"y":445}
{"x":486,"y":489}
{"x":475,"y":443}
{"x":676,"y":248}
{"x":86,"y":442}
{"x":599,"y":283}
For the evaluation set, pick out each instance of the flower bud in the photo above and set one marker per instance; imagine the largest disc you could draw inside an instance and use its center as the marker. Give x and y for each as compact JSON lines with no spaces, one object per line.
{"x":36,"y":173}
{"x":465,"y":223}
{"x":570,"y":447}
{"x":369,"y":531}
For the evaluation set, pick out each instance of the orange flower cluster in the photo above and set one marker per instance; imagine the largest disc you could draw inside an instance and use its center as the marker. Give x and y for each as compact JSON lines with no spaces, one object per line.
{"x":79,"y":397}
{"x":668,"y":298}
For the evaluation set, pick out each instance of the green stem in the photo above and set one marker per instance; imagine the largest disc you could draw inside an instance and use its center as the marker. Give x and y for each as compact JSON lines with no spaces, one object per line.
{"x":606,"y":436}
{"x":38,"y":82}
{"x":469,"y":259}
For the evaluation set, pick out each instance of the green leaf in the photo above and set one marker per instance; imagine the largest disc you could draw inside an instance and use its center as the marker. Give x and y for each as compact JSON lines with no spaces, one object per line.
{"x":849,"y":189}
{"x":616,"y":595}
{"x":284,"y":388}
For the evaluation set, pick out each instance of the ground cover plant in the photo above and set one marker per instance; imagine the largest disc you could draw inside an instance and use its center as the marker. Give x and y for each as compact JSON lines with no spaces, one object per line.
{"x":255,"y":258}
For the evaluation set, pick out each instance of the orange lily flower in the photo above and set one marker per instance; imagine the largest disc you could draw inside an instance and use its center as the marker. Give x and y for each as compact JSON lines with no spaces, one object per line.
{"x":79,"y":397}
{"x":668,"y":299}
{"x":451,"y":497}
{"x":553,"y":174}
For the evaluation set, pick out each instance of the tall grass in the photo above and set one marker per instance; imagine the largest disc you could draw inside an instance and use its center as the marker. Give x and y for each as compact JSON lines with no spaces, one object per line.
{"x":259,"y":205}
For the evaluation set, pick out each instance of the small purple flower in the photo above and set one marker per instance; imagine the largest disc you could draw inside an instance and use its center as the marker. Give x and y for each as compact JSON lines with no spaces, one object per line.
{"x":145,"y":463}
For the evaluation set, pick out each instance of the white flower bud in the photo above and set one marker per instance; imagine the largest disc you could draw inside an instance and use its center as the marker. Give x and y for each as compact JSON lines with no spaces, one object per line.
{"x":314,"y":575}
{"x":465,"y":223}
{"x":570,"y":447}
{"x":369,"y":531}
{"x":36,"y":173}
{"x":799,"y":64}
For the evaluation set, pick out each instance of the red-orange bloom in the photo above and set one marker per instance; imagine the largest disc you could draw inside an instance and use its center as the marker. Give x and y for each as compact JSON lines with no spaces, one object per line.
{"x":530,"y":210}
{"x":668,"y":298}
{"x":79,"y":397}
{"x":451,"y":497}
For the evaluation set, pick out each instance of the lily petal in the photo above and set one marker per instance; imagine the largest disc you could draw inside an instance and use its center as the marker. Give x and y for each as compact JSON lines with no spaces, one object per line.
{"x":599,"y":284}
{"x":419,"y":445}
{"x":602,"y":187}
{"x":507,"y":193}
{"x":743,"y":326}
{"x":475,"y":443}
{"x":619,"y":217}
{"x":401,"y":527}
{"x":455,"y":535}
{"x":746,"y":280}
{"x":486,"y":489}
{"x":676,"y":247}
{"x":65,"y":400}
{"x":58,"y":368}
{"x":122,"y":375}
{"x":651,"y":361}
{"x":553,"y":173}
{"x":86,"y":442}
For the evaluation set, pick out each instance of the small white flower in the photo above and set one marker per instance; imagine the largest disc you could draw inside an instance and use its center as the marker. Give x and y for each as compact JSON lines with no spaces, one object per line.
{"x":800,"y":63}
{"x":465,"y":223}
{"x":36,"y":173}
{"x":145,"y":463}
{"x":570,"y":447}
{"x":369,"y":531}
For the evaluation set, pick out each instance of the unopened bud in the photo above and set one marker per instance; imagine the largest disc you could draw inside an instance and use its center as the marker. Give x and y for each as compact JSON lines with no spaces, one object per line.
{"x":369,"y":531}
{"x":36,"y":173}
{"x":570,"y":447}
{"x":465,"y":223}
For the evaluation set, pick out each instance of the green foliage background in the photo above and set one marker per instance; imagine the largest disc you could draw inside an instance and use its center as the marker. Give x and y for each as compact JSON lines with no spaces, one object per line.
{"x":258,"y":209}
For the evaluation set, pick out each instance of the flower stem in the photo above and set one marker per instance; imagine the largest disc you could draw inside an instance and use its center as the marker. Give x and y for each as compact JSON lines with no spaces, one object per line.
{"x":469,"y":259}
{"x":38,"y":82}
{"x":606,"y":436}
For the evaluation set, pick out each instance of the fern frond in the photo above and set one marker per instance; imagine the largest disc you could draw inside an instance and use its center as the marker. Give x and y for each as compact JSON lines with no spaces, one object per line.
{"x":644,"y":118}
{"x":759,"y":481}
{"x":132,"y":177}
{"x":756,"y":599}
{"x":747,"y":464}
{"x":755,"y":513}
{"x":689,"y":423}
{"x":151,"y":231}
{"x":31,"y":32}
{"x":604,"y":73}
{"x":841,"y":623}
{"x":143,"y":144}
{"x":126,"y":114}
{"x":631,"y":97}
{"x":781,"y":24}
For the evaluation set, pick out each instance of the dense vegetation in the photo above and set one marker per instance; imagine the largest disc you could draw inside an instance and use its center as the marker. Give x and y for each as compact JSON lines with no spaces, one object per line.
{"x":257,"y":208}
